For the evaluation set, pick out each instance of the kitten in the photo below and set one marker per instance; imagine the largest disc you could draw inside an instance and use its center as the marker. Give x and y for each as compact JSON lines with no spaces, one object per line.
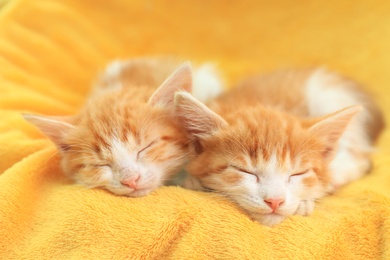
{"x":126,"y":138}
{"x":275,"y":144}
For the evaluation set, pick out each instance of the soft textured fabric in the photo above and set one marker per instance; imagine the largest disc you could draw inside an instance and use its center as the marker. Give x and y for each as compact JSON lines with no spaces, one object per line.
{"x":51,"y":50}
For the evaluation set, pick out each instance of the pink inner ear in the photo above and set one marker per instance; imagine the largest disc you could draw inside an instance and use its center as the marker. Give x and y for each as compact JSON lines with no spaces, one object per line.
{"x":196,"y":117}
{"x":198,"y":147}
{"x":53,"y":127}
{"x":332,"y":127}
{"x":179,"y":80}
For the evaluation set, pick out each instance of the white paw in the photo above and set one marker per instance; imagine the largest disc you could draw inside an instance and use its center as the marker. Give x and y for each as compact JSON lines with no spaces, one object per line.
{"x":305,"y":207}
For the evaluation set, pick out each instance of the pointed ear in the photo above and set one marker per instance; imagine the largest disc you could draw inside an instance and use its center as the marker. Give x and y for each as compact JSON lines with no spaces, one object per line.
{"x":180,"y":79}
{"x":197,"y":118}
{"x":54,"y":127}
{"x":332,"y":126}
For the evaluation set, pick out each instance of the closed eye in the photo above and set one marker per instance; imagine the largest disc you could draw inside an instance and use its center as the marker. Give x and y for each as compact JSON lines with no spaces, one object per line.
{"x":100,"y":165}
{"x":244,"y":171}
{"x":145,"y":148}
{"x":299,"y":174}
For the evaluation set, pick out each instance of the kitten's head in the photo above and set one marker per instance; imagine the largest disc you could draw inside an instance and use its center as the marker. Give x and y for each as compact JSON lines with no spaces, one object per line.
{"x":271,"y":164}
{"x":125,"y":140}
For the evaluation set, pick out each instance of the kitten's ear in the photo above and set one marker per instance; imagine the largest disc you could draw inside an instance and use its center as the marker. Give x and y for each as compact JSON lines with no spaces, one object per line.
{"x":180,"y":79}
{"x":197,"y":118}
{"x":332,"y":126}
{"x":54,"y":127}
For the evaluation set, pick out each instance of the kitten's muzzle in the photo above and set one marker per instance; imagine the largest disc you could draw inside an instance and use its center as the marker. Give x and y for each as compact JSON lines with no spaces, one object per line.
{"x":131,"y":181}
{"x":274,"y":203}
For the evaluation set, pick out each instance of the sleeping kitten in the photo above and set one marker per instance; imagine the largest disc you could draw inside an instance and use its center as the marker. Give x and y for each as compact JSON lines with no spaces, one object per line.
{"x":126,"y":138}
{"x":275,"y":144}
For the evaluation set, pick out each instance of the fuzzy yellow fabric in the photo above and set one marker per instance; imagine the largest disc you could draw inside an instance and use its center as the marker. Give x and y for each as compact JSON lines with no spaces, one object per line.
{"x":50,"y":51}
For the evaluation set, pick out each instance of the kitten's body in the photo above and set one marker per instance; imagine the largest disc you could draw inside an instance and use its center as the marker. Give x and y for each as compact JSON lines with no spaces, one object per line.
{"x":275,"y":148}
{"x":126,"y":138}
{"x":315,"y":93}
{"x":149,"y":74}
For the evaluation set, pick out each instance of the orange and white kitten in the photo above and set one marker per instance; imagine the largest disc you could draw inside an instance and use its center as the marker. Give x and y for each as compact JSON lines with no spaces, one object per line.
{"x":126,"y":138}
{"x":276,"y":143}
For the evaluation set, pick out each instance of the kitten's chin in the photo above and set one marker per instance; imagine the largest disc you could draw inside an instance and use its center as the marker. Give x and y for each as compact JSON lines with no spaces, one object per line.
{"x":139,"y":193}
{"x":130,"y":192}
{"x":270,"y":220}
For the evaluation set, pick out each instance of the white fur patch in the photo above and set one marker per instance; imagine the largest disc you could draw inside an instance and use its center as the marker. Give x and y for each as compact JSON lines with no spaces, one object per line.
{"x":274,"y":181}
{"x":327,"y":93}
{"x":206,"y":82}
{"x":121,"y":154}
{"x":114,"y":69}
{"x":106,"y":176}
{"x":346,"y":167}
{"x":272,"y":165}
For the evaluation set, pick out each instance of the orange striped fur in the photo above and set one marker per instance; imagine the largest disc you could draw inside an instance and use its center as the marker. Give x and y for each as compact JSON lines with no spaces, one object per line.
{"x":126,"y":138}
{"x":269,"y":149}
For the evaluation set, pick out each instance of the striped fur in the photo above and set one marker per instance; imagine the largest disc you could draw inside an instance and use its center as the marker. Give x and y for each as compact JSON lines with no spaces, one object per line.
{"x":126,"y":138}
{"x":271,"y":145}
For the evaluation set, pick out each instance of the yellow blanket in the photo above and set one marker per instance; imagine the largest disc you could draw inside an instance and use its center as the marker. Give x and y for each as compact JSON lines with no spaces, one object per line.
{"x":50,"y":50}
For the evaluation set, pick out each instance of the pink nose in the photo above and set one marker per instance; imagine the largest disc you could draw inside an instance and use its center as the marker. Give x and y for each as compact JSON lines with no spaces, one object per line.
{"x":131,"y":182}
{"x":274,"y":203}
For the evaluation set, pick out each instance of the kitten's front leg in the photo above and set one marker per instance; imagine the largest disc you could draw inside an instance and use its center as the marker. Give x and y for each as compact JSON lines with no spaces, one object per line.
{"x":305,"y":207}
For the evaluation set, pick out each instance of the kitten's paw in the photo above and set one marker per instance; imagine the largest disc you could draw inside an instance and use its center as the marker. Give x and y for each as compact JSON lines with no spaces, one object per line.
{"x":305,"y":207}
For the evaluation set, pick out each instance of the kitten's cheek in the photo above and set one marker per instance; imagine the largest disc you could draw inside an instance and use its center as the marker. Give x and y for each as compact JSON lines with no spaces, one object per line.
{"x":106,"y":175}
{"x":305,"y":207}
{"x":88,"y":177}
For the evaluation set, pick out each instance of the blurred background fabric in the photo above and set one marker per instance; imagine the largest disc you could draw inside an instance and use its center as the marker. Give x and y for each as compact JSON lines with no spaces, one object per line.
{"x":50,"y":53}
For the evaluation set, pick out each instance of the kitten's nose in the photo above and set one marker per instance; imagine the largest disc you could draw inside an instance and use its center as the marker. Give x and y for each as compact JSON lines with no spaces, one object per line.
{"x":274,"y":203}
{"x":131,"y":182}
